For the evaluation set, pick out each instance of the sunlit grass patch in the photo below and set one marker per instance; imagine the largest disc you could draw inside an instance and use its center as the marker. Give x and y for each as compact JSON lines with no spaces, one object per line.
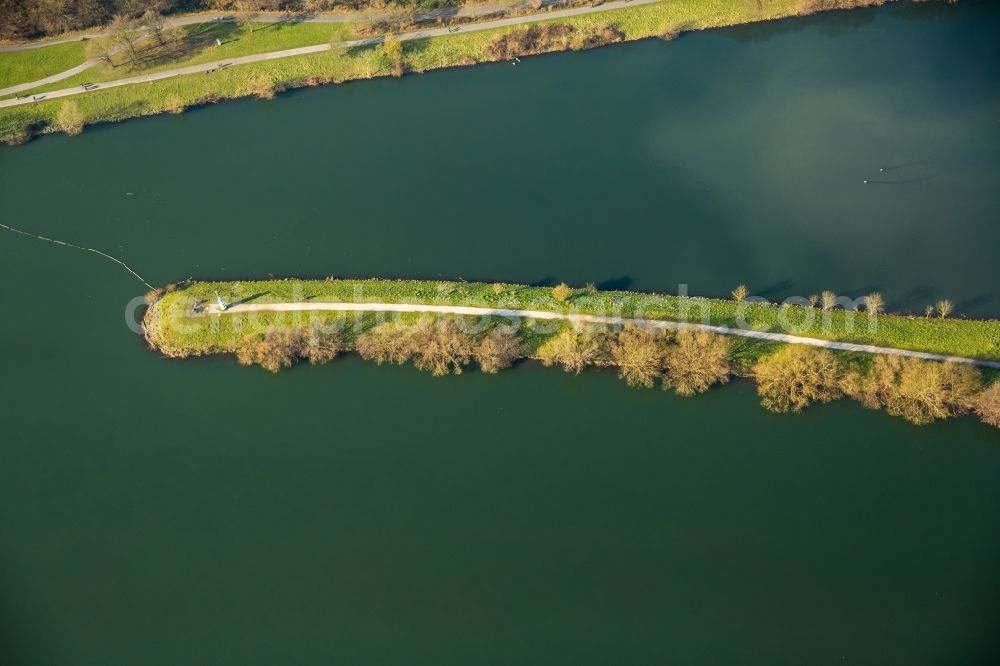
{"x":25,"y":66}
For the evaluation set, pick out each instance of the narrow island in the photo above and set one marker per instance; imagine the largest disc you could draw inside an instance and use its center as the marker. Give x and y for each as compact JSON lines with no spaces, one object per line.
{"x":817,"y":349}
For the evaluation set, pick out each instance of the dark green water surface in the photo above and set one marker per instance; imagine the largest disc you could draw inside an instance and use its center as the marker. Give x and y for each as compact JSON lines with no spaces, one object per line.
{"x":162,"y":513}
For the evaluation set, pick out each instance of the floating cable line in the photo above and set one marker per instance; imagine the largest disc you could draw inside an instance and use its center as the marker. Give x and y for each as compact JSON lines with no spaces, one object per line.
{"x":80,"y":247}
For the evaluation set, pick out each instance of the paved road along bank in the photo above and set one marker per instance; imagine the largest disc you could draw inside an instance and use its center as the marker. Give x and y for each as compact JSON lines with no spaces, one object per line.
{"x":73,"y":71}
{"x":274,"y":55}
{"x":593,"y":319}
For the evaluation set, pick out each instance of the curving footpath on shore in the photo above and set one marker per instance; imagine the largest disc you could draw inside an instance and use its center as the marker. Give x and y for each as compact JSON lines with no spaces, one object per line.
{"x":214,"y":309}
{"x":54,"y":78}
{"x":206,"y":68}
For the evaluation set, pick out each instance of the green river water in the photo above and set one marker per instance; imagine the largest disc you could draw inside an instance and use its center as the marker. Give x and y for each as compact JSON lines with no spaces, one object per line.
{"x":158,"y":512}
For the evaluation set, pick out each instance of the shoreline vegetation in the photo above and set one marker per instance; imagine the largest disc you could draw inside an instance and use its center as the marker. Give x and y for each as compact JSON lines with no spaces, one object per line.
{"x":393,"y":57}
{"x":689,"y":362}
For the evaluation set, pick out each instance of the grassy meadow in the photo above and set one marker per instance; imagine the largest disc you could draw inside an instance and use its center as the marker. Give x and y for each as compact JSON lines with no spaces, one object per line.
{"x":24,"y":66}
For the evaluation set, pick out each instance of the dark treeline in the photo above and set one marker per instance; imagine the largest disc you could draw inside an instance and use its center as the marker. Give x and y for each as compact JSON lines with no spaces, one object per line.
{"x":27,"y":19}
{"x":31,"y":19}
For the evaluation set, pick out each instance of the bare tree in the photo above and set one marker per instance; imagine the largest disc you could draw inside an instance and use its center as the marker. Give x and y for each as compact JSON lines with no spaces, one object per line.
{"x":275,"y":349}
{"x":944,"y":308}
{"x":392,"y":52}
{"x":561,"y":292}
{"x":247,"y":12}
{"x":740,"y":293}
{"x":829,"y":300}
{"x":397,"y":19}
{"x":279,"y":348}
{"x":124,"y":33}
{"x":498,"y":349}
{"x":698,"y":360}
{"x":386,"y":343}
{"x":573,"y":350}
{"x":441,"y":347}
{"x":152,"y":20}
{"x":796,"y":376}
{"x":104,"y":49}
{"x":987,"y":405}
{"x":319,"y":346}
{"x":920,"y":391}
{"x":639,"y":354}
{"x":311,"y":6}
{"x":874,"y":303}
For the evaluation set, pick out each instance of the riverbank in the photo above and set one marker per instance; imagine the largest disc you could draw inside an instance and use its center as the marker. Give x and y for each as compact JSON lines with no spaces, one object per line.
{"x":633,"y":332}
{"x":418,"y":54}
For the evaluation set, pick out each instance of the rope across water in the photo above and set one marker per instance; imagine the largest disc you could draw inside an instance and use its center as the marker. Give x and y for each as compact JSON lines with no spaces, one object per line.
{"x":80,"y":247}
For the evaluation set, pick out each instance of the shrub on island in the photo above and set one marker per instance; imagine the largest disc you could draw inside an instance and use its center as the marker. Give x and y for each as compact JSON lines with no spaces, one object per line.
{"x":282,"y":347}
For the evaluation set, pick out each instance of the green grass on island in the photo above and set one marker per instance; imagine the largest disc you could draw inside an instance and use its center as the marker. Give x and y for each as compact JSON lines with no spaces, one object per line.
{"x":262,"y":79}
{"x":177,"y":332}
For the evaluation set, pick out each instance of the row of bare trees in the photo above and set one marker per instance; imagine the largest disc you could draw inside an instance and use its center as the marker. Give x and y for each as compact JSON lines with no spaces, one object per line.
{"x":873,"y":302}
{"x":125,"y":33}
{"x":281,"y":347}
{"x":440,"y":346}
{"x":919,"y":391}
{"x":25,"y":19}
{"x":130,"y":33}
{"x":29,"y":19}
{"x":688,"y":362}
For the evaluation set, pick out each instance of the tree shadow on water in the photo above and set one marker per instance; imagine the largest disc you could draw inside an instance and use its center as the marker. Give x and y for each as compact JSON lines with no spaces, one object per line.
{"x":976,"y":302}
{"x":620,"y":283}
{"x":913,"y":300}
{"x":779,"y":288}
